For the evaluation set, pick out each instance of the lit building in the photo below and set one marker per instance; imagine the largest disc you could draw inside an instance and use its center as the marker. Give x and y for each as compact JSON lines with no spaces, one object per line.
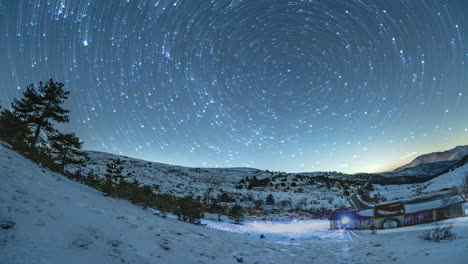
{"x":395,"y":214}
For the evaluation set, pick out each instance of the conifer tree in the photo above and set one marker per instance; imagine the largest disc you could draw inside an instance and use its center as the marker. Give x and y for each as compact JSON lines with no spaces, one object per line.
{"x":189,"y":210}
{"x":11,"y":126}
{"x":113,"y":177}
{"x":66,"y":148}
{"x":270,"y":200}
{"x":217,"y":209}
{"x":38,"y":109}
{"x":237,"y":214}
{"x":165,"y":203}
{"x":114,"y":171}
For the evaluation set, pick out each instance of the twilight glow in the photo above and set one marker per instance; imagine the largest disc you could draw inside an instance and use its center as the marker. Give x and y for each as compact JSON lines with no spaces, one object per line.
{"x":347,"y":85}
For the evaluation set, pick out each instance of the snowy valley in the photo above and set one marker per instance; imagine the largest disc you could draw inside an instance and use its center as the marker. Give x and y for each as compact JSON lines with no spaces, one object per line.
{"x":47,"y":218}
{"x":295,"y":195}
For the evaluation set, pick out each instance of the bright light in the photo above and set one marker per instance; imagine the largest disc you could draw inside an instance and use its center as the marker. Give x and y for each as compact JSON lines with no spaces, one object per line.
{"x":290,"y":229}
{"x":345,"y":220}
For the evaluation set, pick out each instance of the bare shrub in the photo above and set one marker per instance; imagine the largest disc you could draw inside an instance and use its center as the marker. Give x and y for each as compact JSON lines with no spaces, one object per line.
{"x":440,"y":231}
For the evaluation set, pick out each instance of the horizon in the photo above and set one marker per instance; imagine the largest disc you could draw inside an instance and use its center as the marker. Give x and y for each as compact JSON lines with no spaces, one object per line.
{"x":350,"y":86}
{"x":410,"y":157}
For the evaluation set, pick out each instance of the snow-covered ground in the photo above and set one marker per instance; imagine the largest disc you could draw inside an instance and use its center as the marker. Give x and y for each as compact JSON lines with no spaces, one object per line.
{"x":46,"y":218}
{"x":310,"y":190}
{"x":453,"y":179}
{"x":179,"y":181}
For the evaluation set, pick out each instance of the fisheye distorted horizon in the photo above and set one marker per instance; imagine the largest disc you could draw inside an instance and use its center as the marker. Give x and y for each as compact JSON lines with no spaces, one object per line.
{"x":352,"y":86}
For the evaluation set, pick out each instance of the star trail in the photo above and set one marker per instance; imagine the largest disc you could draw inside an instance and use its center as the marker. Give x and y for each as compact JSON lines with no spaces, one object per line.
{"x":348,"y":85}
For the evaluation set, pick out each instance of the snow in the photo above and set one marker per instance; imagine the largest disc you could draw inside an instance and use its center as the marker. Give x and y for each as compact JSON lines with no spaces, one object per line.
{"x":417,"y":207}
{"x":388,"y":213}
{"x":179,"y":181}
{"x":60,"y":221}
{"x":447,"y":181}
{"x":277,"y":230}
{"x":366,"y":213}
{"x":412,"y":208}
{"x":452,"y":179}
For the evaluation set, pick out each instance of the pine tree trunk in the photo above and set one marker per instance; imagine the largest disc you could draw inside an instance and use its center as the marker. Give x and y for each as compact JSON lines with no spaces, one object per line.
{"x":36,"y":135}
{"x":39,"y":127}
{"x":62,"y":162}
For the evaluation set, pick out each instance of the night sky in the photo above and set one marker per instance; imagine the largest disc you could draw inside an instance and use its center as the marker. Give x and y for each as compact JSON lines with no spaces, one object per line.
{"x":346,"y":85}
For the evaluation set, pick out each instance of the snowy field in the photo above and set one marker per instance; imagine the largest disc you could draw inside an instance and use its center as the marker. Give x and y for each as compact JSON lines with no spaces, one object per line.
{"x":46,"y":218}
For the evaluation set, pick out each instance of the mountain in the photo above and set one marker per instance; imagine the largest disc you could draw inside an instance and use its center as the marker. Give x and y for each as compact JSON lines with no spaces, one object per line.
{"x":430,"y":165}
{"x":454,"y":155}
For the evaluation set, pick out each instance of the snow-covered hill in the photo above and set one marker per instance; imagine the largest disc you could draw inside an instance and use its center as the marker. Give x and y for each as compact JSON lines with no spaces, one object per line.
{"x":431,"y":164}
{"x":450,"y":180}
{"x":46,"y":218}
{"x":454,"y":154}
{"x":426,"y":170}
{"x":314,"y":193}
{"x":310,"y":190}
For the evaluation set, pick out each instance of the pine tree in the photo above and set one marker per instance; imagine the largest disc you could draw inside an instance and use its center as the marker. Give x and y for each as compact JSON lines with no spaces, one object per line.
{"x":270,"y":200}
{"x":217,"y":209}
{"x":165,"y":203}
{"x":114,"y":171}
{"x":225,"y":198}
{"x":189,"y":210}
{"x":237,"y":214}
{"x":113,"y":177}
{"x":38,"y":109}
{"x":11,"y":126}
{"x":66,"y":148}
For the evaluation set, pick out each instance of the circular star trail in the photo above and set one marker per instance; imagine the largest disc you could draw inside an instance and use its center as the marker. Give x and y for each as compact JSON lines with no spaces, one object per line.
{"x":283,"y":85}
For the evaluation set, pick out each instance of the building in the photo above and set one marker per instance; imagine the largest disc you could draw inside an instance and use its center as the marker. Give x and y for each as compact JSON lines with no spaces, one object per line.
{"x":395,"y":214}
{"x":349,"y":219}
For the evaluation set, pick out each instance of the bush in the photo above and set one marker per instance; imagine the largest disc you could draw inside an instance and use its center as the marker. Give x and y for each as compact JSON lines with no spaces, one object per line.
{"x":11,"y":126}
{"x":225,"y":198}
{"x":440,"y":231}
{"x":189,"y":210}
{"x":258,"y":183}
{"x":237,"y":214}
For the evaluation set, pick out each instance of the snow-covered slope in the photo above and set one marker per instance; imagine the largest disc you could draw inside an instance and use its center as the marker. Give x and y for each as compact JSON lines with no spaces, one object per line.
{"x":423,"y":170}
{"x":181,"y":181}
{"x":451,"y":180}
{"x":315,"y":191}
{"x":46,"y":218}
{"x":454,"y":154}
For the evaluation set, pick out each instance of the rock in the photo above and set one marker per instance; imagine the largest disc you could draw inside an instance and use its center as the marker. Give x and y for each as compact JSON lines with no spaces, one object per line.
{"x":7,"y":224}
{"x":239,"y":259}
{"x":114,"y":243}
{"x":82,"y":243}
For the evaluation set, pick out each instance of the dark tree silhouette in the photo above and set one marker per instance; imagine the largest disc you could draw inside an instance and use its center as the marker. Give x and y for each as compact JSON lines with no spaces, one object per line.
{"x":66,"y":148}
{"x":113,"y":177}
{"x":11,"y":126}
{"x":270,"y":200}
{"x":237,"y":214}
{"x":189,"y":210}
{"x":217,"y":209}
{"x":38,"y":109}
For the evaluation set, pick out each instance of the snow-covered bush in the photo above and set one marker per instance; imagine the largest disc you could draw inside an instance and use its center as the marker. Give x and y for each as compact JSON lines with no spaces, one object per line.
{"x":440,"y":231}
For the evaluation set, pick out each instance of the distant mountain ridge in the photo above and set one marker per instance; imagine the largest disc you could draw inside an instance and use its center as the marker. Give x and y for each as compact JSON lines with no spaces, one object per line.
{"x":454,"y":154}
{"x":430,"y":165}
